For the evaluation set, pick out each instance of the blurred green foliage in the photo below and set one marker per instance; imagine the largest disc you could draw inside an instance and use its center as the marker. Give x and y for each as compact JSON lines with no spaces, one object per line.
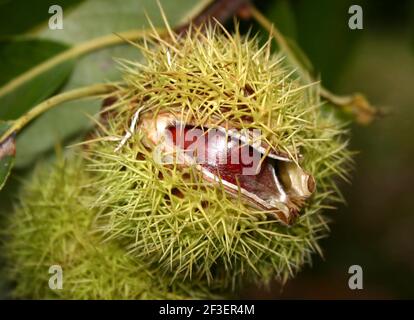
{"x":20,"y":16}
{"x":375,"y":228}
{"x":19,"y":56}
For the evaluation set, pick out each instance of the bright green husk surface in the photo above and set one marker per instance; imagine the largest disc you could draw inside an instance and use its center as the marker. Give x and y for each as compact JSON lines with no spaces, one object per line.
{"x":167,"y":232}
{"x":54,"y":225}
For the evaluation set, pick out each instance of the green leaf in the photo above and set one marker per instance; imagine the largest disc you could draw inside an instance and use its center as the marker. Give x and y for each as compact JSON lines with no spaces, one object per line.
{"x":282,"y":15}
{"x":19,"y":56}
{"x":91,"y":19}
{"x":7,"y":155}
{"x":324,"y":35}
{"x":20,"y":16}
{"x":300,"y":56}
{"x":53,"y":128}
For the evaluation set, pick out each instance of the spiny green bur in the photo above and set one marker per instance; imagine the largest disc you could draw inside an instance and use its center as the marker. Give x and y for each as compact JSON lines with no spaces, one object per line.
{"x":122,"y":225}
{"x":54,"y":225}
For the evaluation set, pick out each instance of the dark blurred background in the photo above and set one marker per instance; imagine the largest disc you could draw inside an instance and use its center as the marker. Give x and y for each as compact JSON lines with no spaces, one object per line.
{"x":375,"y":229}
